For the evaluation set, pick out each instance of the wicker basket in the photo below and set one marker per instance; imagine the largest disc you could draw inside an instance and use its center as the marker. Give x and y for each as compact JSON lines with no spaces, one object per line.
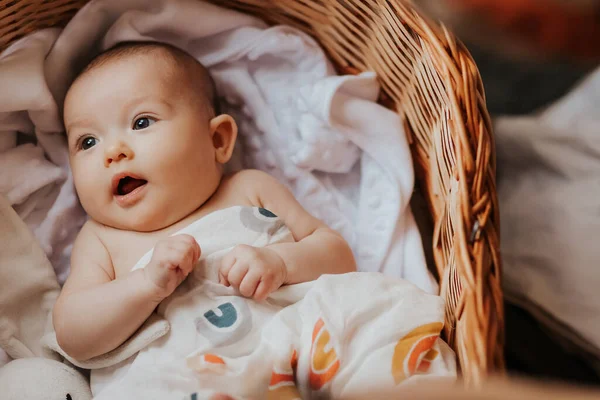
{"x":432,"y":82}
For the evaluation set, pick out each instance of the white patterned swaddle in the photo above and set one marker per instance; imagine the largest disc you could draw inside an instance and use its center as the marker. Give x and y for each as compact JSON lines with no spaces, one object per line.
{"x":333,"y":335}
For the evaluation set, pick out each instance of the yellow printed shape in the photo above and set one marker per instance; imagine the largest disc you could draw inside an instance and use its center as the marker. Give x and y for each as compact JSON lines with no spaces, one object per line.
{"x":415,"y":349}
{"x":323,"y":364}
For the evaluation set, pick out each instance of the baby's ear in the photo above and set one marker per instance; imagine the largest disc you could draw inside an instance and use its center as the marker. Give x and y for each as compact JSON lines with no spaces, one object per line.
{"x":223,"y":131}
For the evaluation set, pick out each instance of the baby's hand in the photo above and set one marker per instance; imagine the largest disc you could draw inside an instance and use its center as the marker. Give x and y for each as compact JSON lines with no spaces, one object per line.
{"x":173,"y":259}
{"x":255,"y":271}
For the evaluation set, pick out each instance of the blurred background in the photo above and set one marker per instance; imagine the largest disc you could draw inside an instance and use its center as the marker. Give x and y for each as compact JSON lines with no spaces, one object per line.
{"x":530,"y":54}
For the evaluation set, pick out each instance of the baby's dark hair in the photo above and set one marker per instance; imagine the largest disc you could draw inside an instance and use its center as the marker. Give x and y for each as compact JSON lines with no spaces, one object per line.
{"x":196,"y":74}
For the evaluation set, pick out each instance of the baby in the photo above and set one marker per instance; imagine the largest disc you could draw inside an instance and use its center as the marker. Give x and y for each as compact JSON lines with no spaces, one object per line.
{"x":255,"y":291}
{"x":147,"y":148}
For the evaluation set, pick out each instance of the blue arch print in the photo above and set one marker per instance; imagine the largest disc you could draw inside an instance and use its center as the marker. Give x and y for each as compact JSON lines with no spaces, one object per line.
{"x":227,"y":318}
{"x":225,"y":324}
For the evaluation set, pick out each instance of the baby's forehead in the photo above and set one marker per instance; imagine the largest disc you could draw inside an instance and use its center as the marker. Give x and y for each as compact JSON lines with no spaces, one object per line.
{"x":137,"y":72}
{"x":158,"y":64}
{"x":168,"y":70}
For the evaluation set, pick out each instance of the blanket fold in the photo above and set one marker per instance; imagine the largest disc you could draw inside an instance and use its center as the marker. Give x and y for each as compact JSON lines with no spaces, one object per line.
{"x":29,"y":287}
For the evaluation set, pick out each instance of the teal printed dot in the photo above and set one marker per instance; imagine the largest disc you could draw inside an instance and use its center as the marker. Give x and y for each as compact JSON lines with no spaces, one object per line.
{"x":227,"y":318}
{"x":266,"y":213}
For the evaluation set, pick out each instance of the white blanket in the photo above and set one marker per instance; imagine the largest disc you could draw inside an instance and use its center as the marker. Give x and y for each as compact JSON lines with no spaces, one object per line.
{"x":344,"y":157}
{"x":340,"y":335}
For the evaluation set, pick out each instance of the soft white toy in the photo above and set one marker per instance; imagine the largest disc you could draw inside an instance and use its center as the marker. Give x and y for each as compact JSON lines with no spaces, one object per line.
{"x":42,"y":379}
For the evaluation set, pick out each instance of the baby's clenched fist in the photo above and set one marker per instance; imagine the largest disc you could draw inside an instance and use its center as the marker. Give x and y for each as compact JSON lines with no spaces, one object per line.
{"x":172,"y":260}
{"x":255,"y":271}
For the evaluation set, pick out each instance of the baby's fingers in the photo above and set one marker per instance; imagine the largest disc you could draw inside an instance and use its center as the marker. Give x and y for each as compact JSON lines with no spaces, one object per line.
{"x":264,"y":289}
{"x":187,"y":243}
{"x":187,"y":263}
{"x":187,"y":252}
{"x":192,"y":257}
{"x":227,"y":263}
{"x":196,"y":252}
{"x":237,"y":273}
{"x":250,"y":283}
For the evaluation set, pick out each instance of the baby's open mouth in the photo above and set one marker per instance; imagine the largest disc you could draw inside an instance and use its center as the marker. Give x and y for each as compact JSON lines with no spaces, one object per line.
{"x":128,"y":184}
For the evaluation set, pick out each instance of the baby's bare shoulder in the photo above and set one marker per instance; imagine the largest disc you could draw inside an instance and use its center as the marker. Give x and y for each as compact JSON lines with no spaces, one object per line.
{"x":252,"y":179}
{"x":89,"y":252}
{"x":118,"y":248}
{"x":254,"y":186}
{"x":94,"y":232}
{"x":238,"y":188}
{"x":88,"y":232}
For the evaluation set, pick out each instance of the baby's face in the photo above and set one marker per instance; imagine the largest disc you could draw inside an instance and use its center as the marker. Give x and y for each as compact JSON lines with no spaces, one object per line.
{"x":140,"y":149}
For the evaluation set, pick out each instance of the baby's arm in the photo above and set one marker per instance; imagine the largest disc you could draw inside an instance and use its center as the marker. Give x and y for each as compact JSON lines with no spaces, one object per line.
{"x":318,"y":249}
{"x":95,"y":313}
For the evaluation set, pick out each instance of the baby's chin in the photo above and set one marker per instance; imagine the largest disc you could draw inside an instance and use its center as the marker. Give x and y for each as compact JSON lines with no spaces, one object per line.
{"x":138,"y":220}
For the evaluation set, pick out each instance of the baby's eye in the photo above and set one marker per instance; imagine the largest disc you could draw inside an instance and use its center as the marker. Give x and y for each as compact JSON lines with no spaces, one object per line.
{"x":143,"y":123}
{"x":88,"y":143}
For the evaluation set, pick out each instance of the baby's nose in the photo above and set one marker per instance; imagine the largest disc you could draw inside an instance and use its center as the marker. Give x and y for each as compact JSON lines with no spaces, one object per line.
{"x":118,"y":152}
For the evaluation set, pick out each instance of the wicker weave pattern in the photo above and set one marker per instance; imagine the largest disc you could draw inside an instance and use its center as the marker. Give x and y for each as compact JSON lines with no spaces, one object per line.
{"x":429,"y":78}
{"x":19,"y":18}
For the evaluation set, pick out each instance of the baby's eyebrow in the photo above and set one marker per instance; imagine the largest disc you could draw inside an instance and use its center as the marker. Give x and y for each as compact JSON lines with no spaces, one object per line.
{"x":76,"y":124}
{"x":143,"y":99}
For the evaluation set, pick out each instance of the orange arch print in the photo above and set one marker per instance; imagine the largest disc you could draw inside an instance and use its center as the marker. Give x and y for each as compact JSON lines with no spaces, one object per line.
{"x":207,"y":362}
{"x":323,"y":364}
{"x":282,"y":385}
{"x":413,"y":353}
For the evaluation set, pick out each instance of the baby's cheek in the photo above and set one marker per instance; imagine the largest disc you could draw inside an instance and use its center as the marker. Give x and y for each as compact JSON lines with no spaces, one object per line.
{"x":84,"y":182}
{"x":90,"y":184}
{"x":183,"y":164}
